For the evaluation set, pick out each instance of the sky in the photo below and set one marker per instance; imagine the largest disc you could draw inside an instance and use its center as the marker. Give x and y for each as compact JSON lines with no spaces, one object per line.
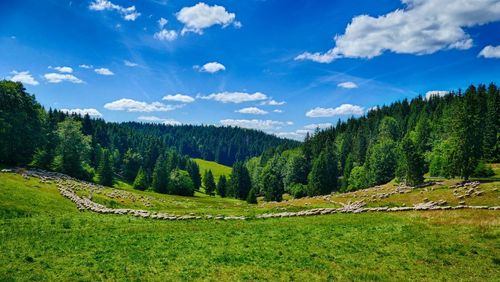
{"x":284,"y":67}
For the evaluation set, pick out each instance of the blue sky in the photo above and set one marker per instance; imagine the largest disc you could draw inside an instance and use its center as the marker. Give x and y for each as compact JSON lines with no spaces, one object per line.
{"x":281,"y":66}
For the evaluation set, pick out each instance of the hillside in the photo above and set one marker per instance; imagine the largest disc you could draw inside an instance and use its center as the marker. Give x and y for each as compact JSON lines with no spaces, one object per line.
{"x":217,"y":169}
{"x":45,"y":237}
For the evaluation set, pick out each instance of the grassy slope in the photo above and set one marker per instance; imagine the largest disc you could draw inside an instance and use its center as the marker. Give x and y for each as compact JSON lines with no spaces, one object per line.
{"x":44,"y":237}
{"x":217,"y":169}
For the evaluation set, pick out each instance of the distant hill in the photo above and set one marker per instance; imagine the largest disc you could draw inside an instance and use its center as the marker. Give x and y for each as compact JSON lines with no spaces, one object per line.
{"x":217,"y":169}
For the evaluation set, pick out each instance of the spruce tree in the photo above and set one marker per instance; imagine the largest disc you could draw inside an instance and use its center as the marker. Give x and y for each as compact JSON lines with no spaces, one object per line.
{"x":209,"y":183}
{"x":160,"y":176}
{"x":105,"y":169}
{"x":141,"y":181}
{"x":240,"y":183}
{"x":323,"y":177}
{"x":222,"y":186}
{"x":252,"y":197}
{"x":410,"y":163}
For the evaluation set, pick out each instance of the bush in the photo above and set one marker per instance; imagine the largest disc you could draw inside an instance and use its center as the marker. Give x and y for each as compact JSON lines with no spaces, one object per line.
{"x":298,"y":190}
{"x":483,"y":170}
{"x":180,"y":183}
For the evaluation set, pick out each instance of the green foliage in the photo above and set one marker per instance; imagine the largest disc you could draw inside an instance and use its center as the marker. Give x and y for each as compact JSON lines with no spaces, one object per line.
{"x":323,"y":177}
{"x":240,"y":183}
{"x":296,"y":171}
{"x":194,"y":171}
{"x":21,"y":124}
{"x":180,"y":183}
{"x":105,"y":170}
{"x":72,"y":149}
{"x":252,"y":197}
{"x":222,"y":186}
{"x":358,"y":178}
{"x":298,"y":190}
{"x":160,"y":176}
{"x":381,"y":163}
{"x":410,"y":163}
{"x":209,"y":183}
{"x":141,"y":181}
{"x":483,"y":170}
{"x":131,"y":163}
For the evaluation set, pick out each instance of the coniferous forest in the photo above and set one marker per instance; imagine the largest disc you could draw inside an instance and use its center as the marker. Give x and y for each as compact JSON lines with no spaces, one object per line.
{"x":451,"y":136}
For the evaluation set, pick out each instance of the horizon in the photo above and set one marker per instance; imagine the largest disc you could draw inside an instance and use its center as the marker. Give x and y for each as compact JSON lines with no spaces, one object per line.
{"x":273,"y":66}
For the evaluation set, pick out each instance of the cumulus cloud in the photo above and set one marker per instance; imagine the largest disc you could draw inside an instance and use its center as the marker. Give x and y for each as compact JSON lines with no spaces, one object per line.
{"x":252,"y":111}
{"x":347,"y":85}
{"x":435,"y":93}
{"x":235,"y":97}
{"x":290,"y":135}
{"x":277,"y":111}
{"x":342,"y":110}
{"x":166,"y":35}
{"x":422,"y":27}
{"x":318,"y":125}
{"x":255,"y":123}
{"x":272,"y":103}
{"x":59,"y":77}
{"x":130,"y":105}
{"x":166,"y":121}
{"x":62,"y":69}
{"x":91,"y":112}
{"x":201,"y":16}
{"x":24,"y":77}
{"x":212,"y":67}
{"x":179,"y":98}
{"x":104,"y":71}
{"x":84,"y":66}
{"x":129,"y":63}
{"x":490,"y":52}
{"x":128,"y":14}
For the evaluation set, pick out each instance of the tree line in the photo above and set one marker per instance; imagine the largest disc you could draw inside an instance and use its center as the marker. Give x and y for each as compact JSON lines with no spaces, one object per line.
{"x":455,"y":135}
{"x":150,"y":156}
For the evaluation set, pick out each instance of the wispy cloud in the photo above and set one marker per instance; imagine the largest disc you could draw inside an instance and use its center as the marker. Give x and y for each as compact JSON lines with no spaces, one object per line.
{"x":128,"y":14}
{"x":235,"y":97}
{"x":131,"y":105}
{"x":342,"y":110}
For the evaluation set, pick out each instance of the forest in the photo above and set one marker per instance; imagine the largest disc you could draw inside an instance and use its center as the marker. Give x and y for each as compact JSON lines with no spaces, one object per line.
{"x":455,"y":135}
{"x":152,"y":156}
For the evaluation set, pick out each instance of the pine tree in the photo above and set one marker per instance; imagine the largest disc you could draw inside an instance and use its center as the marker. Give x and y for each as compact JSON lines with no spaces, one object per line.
{"x":194,"y":171}
{"x":323,"y":177}
{"x":222,"y":186}
{"x":240,"y":183}
{"x":410,"y":163}
{"x":252,"y":197}
{"x":141,"y":181}
{"x":272,"y":181}
{"x":209,"y":183}
{"x":160,"y":176}
{"x":105,"y":170}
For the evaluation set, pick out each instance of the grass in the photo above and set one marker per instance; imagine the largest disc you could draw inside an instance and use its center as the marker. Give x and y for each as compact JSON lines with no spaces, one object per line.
{"x":44,"y":237}
{"x":217,"y":169}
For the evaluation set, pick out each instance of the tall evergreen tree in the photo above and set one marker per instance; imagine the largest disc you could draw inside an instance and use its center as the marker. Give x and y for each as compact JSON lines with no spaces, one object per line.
{"x":410,"y":163}
{"x":105,"y":170}
{"x":222,"y":186}
{"x":141,"y":180}
{"x":323,"y":177}
{"x":160,"y":176}
{"x":209,"y":183}
{"x":240,"y":183}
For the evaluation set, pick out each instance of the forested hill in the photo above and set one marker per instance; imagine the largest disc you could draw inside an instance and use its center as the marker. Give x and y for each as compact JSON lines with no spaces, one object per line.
{"x":451,"y":136}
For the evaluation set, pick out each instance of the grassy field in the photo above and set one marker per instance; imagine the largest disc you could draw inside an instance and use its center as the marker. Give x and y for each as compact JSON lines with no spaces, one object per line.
{"x":217,"y":169}
{"x":44,"y":237}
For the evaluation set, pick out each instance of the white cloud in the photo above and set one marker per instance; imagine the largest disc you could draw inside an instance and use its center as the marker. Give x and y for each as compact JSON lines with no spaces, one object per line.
{"x":255,"y":123}
{"x":162,"y":22}
{"x":59,"y":77}
{"x":166,"y":121}
{"x":62,"y":69}
{"x":166,"y":35}
{"x":277,"y":111}
{"x":104,"y":71}
{"x":435,"y":93}
{"x":130,"y":105}
{"x":129,"y":63}
{"x":252,"y":111}
{"x":490,"y":52}
{"x":91,"y":112}
{"x":318,"y":125}
{"x":290,"y":135}
{"x":348,"y":85}
{"x":24,"y":77}
{"x":179,"y":98}
{"x":84,"y":66}
{"x":128,"y":14}
{"x":422,"y":27}
{"x":272,"y":103}
{"x":344,"y":109}
{"x":201,"y":16}
{"x":235,"y":97}
{"x":212,"y":67}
